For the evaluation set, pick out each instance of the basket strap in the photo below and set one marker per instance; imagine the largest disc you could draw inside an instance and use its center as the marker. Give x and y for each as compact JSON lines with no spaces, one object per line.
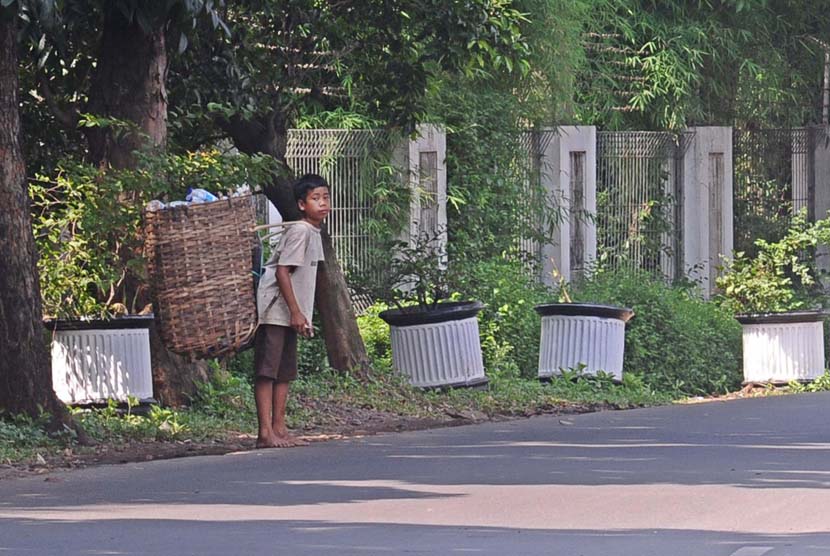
{"x":276,"y":225}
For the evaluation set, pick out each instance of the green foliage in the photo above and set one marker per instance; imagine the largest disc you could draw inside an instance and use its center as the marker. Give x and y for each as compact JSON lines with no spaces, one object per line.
{"x":495,"y":196}
{"x":374,"y":58}
{"x":86,"y":233}
{"x":339,"y":118}
{"x":666,"y":66}
{"x":86,"y":222}
{"x":311,"y":354}
{"x":224,"y":408}
{"x":226,"y":395}
{"x":677,"y":343}
{"x":405,"y":273}
{"x":375,"y":334}
{"x":821,"y":384}
{"x":112,"y":424}
{"x":643,"y":245}
{"x":782,"y":276}
{"x":517,"y":396}
{"x":508,"y":324}
{"x":21,"y":437}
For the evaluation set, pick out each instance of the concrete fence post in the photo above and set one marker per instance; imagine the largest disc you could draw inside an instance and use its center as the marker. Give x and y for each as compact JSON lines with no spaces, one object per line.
{"x":821,"y":180}
{"x":707,"y":198}
{"x":569,"y":178}
{"x":422,"y":162}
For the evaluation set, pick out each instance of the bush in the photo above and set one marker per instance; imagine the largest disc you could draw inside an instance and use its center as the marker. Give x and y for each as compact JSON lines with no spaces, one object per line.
{"x":375,"y":334}
{"x":781,"y":276}
{"x":677,"y":342}
{"x":509,"y":325}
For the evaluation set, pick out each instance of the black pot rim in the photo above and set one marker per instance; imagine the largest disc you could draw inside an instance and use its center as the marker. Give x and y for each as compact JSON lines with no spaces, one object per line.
{"x":585,"y":310}
{"x":442,"y":312}
{"x":81,"y":323}
{"x":786,"y":317}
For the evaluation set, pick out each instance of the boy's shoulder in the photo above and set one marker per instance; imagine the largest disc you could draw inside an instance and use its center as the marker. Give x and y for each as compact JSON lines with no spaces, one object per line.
{"x":301,"y":227}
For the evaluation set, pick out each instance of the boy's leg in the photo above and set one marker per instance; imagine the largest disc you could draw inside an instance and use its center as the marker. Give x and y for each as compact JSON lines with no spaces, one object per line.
{"x":268,"y":355}
{"x":263,"y":388}
{"x":278,"y":425}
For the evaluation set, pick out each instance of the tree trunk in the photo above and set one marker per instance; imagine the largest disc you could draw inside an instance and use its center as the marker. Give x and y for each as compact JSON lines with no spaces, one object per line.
{"x":25,"y":365}
{"x":129,"y":85}
{"x":344,"y":345}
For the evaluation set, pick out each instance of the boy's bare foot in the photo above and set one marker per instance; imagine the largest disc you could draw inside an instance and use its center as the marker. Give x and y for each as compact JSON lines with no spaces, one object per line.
{"x":282,"y":441}
{"x":297,"y":440}
{"x":274,"y":441}
{"x":284,"y":434}
{"x":267,"y":442}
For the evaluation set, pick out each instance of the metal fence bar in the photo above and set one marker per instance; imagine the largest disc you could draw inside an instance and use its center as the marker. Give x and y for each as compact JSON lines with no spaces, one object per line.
{"x":343,"y":158}
{"x":774,"y":179}
{"x":637,"y":200}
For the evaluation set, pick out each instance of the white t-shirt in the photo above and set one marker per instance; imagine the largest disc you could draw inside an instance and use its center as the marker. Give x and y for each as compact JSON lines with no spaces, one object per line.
{"x":302,"y":248}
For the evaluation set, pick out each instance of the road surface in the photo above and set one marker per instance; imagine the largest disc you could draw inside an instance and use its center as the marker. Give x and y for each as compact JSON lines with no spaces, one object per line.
{"x":737,"y":478}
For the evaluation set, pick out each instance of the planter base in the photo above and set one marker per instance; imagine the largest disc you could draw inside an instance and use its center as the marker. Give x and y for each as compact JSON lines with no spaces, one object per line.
{"x":569,"y":342}
{"x":780,"y":352}
{"x":436,"y":355}
{"x":98,"y":364}
{"x":583,"y":335}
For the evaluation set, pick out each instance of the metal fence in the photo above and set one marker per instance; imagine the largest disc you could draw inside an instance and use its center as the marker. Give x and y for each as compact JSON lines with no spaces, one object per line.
{"x":773,"y":179}
{"x":638,"y":193}
{"x":343,"y":157}
{"x":529,"y":164}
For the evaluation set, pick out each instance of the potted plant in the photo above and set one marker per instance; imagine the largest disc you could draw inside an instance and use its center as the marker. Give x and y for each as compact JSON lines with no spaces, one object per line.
{"x":435,"y":342}
{"x":775,"y":295}
{"x":100,"y":346}
{"x":585,"y":336}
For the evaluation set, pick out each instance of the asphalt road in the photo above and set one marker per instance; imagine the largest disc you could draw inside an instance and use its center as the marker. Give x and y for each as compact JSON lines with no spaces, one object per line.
{"x":737,"y":478}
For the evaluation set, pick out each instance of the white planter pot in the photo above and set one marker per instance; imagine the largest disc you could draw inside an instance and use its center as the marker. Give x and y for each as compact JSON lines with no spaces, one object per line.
{"x":437,"y":348}
{"x":95,"y":361}
{"x":580,"y":334}
{"x":782,"y":347}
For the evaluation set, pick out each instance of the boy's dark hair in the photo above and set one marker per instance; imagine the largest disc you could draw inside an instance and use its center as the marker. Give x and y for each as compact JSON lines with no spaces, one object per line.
{"x":306,"y":183}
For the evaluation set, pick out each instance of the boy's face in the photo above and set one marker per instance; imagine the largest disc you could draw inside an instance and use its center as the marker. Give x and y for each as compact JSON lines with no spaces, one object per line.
{"x":316,"y":205}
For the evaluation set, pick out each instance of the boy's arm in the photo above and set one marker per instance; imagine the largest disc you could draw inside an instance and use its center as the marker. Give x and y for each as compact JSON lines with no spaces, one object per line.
{"x":298,"y":320}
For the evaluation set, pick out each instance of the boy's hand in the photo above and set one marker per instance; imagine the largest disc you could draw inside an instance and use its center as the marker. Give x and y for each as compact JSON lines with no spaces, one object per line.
{"x":300,"y":324}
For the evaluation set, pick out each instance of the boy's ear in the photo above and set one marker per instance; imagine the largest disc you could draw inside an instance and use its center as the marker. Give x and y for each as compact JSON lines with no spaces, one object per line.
{"x":301,"y":204}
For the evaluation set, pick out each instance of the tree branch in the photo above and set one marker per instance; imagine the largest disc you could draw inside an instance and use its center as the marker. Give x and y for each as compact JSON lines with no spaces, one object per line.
{"x":68,"y":118}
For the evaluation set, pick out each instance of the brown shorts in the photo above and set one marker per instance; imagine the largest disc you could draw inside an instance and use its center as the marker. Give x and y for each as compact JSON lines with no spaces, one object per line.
{"x":275,"y":353}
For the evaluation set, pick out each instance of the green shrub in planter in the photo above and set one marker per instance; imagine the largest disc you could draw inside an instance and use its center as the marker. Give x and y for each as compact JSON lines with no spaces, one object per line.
{"x":678,"y":343}
{"x":781,"y":276}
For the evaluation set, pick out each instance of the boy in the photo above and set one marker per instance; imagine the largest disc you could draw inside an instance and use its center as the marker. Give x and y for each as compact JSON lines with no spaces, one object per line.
{"x":285,"y":300}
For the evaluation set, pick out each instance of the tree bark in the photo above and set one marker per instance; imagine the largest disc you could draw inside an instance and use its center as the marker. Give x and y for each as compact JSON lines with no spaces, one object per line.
{"x":344,"y":345}
{"x":25,"y":364}
{"x":130,"y":84}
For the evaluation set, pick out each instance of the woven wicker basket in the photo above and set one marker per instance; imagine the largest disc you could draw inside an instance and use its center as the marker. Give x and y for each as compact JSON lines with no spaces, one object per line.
{"x":199,"y":263}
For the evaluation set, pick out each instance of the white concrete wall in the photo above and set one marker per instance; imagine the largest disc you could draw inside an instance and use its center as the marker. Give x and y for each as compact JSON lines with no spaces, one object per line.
{"x":555,"y":176}
{"x":701,"y":253}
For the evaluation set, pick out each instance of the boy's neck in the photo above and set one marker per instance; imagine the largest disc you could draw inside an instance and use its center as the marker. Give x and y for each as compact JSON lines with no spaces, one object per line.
{"x":313,"y":223}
